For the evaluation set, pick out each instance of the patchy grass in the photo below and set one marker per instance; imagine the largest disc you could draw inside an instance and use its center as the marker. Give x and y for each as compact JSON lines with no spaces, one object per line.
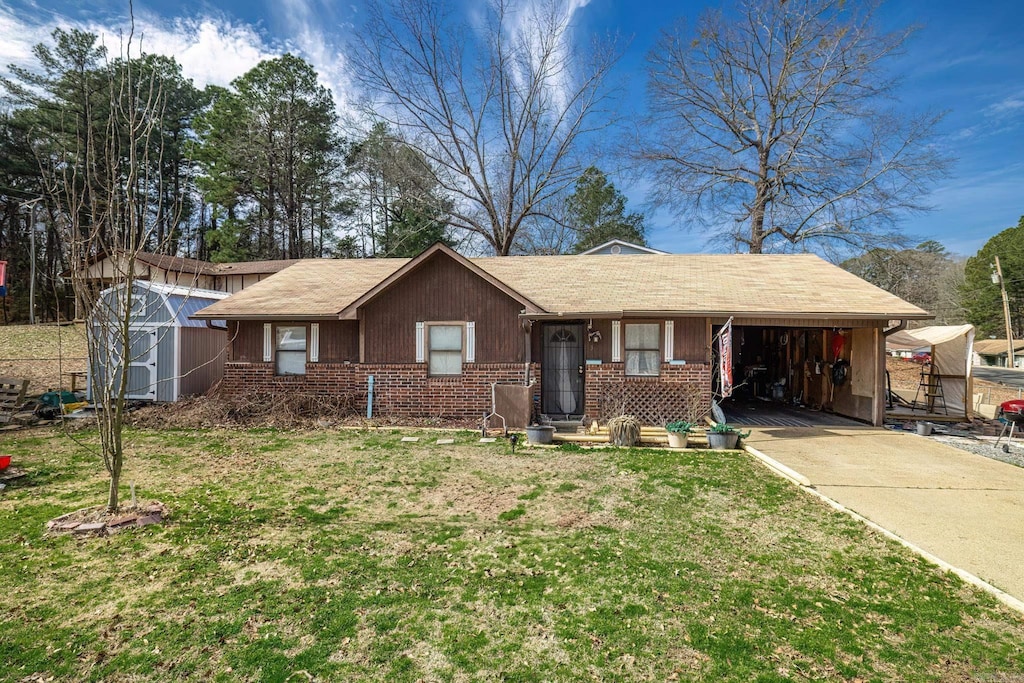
{"x":353,"y":556}
{"x":40,"y":353}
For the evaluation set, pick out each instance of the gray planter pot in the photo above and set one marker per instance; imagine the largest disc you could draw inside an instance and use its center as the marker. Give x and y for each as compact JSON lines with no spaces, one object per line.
{"x":539,"y":434}
{"x":723,"y":442}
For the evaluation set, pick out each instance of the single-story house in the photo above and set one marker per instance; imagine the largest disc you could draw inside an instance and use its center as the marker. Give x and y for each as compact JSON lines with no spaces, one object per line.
{"x":597,"y":335}
{"x":993,"y":352}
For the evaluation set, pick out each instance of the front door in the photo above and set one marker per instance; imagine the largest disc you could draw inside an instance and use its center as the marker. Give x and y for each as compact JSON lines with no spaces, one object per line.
{"x":562,"y":369}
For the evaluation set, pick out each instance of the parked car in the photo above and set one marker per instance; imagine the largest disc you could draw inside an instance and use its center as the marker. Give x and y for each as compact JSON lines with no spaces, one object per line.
{"x":923,"y":358}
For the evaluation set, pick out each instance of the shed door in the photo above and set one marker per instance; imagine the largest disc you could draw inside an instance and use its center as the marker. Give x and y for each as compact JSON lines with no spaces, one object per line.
{"x":142,"y":375}
{"x":562,"y":371}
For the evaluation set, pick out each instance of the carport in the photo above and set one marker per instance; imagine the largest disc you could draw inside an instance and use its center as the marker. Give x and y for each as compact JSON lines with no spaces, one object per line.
{"x":792,"y":372}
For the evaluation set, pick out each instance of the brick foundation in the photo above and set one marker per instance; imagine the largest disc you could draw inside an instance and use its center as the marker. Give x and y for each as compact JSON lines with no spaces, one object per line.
{"x":403,"y":390}
{"x":680,"y":392}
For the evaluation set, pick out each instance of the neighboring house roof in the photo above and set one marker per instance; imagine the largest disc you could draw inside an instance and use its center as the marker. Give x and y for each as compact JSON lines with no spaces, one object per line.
{"x":996,"y":347}
{"x":755,"y":285}
{"x":176,"y":264}
{"x":252,"y":267}
{"x":180,"y":264}
{"x":312,"y":288}
{"x":617,"y":246}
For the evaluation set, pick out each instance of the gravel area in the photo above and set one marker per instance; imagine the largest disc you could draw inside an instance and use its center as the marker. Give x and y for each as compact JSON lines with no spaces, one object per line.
{"x":985,"y":445}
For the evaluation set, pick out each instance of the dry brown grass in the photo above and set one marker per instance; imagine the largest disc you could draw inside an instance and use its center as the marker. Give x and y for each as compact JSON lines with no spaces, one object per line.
{"x":41,"y":353}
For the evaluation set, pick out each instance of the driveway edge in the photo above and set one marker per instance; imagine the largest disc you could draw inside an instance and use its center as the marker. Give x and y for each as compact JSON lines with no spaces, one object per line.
{"x":804,"y":483}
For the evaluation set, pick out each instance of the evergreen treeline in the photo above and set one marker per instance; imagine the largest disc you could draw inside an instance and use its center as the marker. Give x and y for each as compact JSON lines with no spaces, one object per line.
{"x":258,"y":170}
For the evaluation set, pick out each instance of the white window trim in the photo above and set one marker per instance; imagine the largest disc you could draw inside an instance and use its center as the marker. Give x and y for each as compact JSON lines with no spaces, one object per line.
{"x":275,"y":349}
{"x":421,"y":343}
{"x":445,"y":323}
{"x":616,"y":341}
{"x":669,"y":340}
{"x":314,"y":342}
{"x":268,"y":342}
{"x":624,"y":351}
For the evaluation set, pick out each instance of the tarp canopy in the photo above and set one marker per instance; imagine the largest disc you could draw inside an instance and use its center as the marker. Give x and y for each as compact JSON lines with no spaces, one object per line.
{"x":952,"y":349}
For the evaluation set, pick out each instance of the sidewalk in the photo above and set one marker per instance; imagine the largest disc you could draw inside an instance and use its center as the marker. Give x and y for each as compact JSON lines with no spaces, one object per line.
{"x":963,"y":508}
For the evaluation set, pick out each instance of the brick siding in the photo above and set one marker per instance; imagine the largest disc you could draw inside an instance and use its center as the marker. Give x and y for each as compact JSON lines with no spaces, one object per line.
{"x":401,"y":390}
{"x":405,"y":390}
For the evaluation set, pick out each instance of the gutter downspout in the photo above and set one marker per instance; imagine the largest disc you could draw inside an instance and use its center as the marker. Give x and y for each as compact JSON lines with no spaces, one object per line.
{"x":895,"y":329}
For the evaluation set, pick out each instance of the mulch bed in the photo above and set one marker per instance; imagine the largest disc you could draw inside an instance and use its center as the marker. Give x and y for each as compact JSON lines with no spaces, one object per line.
{"x":100,"y":522}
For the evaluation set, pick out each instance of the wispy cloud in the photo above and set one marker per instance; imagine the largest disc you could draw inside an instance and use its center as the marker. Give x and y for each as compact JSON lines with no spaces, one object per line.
{"x":305,"y":22}
{"x":531,"y":22}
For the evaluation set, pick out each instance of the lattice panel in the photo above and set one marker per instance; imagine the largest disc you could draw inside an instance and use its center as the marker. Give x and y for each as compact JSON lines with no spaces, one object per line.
{"x":655,"y":403}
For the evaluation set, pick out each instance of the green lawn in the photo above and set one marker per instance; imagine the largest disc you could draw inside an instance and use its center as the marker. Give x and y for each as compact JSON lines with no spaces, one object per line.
{"x":353,"y":556}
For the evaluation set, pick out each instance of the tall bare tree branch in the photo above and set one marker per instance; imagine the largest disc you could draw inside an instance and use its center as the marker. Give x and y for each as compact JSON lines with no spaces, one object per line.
{"x":497,"y":109}
{"x":777,"y":122}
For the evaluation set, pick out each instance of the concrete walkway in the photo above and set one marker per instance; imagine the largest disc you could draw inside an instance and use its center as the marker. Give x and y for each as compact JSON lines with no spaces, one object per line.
{"x":963,"y":508}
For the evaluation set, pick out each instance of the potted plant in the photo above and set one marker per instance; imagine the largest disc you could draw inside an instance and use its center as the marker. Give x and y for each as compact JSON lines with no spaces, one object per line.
{"x":678,"y":432}
{"x":724,"y":437}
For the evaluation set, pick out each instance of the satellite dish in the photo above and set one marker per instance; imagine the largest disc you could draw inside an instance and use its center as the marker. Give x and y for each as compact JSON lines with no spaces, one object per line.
{"x":717,"y":413}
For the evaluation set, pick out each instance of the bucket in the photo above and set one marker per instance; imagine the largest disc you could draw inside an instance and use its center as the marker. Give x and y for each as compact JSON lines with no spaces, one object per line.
{"x":541,"y":434}
{"x":924,"y":428}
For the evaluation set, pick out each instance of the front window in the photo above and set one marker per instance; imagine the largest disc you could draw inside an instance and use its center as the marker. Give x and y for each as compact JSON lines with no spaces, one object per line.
{"x":290,"y":350}
{"x":445,"y":344}
{"x":642,"y":352}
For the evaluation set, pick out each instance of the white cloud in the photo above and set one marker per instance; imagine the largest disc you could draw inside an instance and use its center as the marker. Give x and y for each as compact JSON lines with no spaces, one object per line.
{"x":212,"y":49}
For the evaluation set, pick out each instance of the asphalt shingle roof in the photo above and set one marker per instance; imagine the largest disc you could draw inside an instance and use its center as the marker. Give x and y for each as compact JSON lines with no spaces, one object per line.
{"x":740,"y":284}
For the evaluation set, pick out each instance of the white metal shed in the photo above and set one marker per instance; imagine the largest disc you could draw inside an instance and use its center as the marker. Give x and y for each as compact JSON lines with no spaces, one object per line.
{"x":170,"y":355}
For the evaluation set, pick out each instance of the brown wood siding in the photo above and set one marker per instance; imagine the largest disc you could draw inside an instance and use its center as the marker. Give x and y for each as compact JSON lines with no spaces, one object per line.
{"x":246,"y":339}
{"x":203,"y":354}
{"x":441,"y":290}
{"x":339,"y":341}
{"x":690,"y":340}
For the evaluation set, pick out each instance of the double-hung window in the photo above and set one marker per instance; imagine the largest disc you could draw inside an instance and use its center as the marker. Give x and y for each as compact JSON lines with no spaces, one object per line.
{"x":642,"y":353}
{"x":444,"y":345}
{"x":290,"y":350}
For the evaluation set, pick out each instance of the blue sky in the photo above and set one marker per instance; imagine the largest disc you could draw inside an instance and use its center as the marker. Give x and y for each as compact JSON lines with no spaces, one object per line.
{"x":967,"y":60}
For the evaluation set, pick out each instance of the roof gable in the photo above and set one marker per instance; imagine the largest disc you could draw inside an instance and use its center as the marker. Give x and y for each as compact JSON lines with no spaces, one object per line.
{"x":438,"y":250}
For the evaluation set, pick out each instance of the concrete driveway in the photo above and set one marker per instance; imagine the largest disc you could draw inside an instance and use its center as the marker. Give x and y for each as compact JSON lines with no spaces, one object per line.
{"x":963,"y":508}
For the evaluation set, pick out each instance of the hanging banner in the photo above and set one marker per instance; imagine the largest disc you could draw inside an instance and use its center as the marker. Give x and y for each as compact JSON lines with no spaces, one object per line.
{"x":3,"y":278}
{"x":725,"y":358}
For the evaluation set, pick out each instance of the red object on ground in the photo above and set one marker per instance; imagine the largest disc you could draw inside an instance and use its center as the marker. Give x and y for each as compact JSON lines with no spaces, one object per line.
{"x":5,"y":460}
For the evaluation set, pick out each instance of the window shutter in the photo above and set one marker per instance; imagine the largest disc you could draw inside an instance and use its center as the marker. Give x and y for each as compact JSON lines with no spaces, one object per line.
{"x":669,"y":340}
{"x":470,"y":342}
{"x":419,"y":343}
{"x":268,"y":342}
{"x":314,"y":342}
{"x":616,"y":341}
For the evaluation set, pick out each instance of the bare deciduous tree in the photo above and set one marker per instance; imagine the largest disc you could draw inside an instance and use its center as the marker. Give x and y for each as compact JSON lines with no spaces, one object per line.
{"x":106,"y":190}
{"x":777,"y":121}
{"x":496,"y":108}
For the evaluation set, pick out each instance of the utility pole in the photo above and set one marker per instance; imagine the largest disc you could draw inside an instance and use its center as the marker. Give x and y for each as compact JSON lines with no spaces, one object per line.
{"x":1006,"y":314}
